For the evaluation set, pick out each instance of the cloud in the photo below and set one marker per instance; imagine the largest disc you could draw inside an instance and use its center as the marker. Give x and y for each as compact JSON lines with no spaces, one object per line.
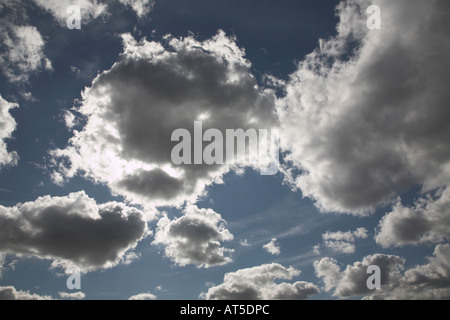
{"x":143,"y":296}
{"x":352,"y":280}
{"x":10,"y":293}
{"x":141,"y":7}
{"x":342,"y":241}
{"x":258,"y":283}
{"x":72,"y":296}
{"x":71,"y":230}
{"x":131,"y":111}
{"x":272,"y":247}
{"x":425,"y":222}
{"x":365,"y":116}
{"x":7,"y":127}
{"x":428,"y":281}
{"x":22,"y":53}
{"x":90,"y":9}
{"x":195,"y":238}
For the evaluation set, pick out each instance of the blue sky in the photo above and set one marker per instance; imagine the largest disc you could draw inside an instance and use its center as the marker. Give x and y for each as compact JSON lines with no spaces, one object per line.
{"x":87,"y":116}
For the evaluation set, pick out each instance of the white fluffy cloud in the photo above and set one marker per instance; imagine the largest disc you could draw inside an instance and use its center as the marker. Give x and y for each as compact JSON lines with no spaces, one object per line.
{"x":366,"y":114}
{"x":22,"y":53}
{"x":90,"y":9}
{"x":272,"y":247}
{"x":131,"y":111}
{"x":342,"y":242}
{"x":71,"y":230}
{"x":72,"y":296}
{"x":143,"y":296}
{"x":7,"y":127}
{"x":258,"y":283}
{"x":10,"y":293}
{"x":141,"y":7}
{"x":428,"y":281}
{"x":427,"y":221}
{"x":195,"y":238}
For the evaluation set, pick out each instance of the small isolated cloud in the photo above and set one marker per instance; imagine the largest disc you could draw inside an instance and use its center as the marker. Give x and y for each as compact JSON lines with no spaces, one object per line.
{"x":425,"y":222}
{"x":342,"y":242}
{"x":272,"y":247}
{"x":258,"y":283}
{"x":141,"y":7}
{"x":22,"y":53}
{"x":71,"y":230}
{"x":143,"y":296}
{"x":194,"y":238}
{"x":365,"y":116}
{"x":7,"y":127}
{"x":245,"y":243}
{"x":72,"y":296}
{"x":131,"y":111}
{"x":10,"y":293}
{"x":427,"y":281}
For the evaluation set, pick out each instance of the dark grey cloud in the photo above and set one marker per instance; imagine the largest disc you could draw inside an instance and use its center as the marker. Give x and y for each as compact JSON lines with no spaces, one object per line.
{"x":427,"y":281}
{"x":365,"y":125}
{"x":352,"y":281}
{"x":259,"y":283}
{"x":194,"y":238}
{"x":71,"y":230}
{"x":425,"y":222}
{"x":132,"y":110}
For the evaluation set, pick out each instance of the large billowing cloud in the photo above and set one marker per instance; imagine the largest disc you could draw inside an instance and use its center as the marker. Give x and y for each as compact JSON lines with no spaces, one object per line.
{"x":130,"y":112}
{"x":428,"y":281}
{"x":259,"y":283}
{"x":7,"y":127}
{"x":366,"y":114}
{"x":428,"y":221}
{"x":71,"y":230}
{"x":195,"y":238}
{"x":10,"y":293}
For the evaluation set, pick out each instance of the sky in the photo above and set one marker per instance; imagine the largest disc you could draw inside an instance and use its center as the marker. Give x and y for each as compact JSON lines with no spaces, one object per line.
{"x":88,"y":181}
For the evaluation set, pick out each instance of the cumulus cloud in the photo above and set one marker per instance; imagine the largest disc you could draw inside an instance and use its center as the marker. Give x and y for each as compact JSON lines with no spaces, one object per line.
{"x":259,"y":283}
{"x":352,"y":281}
{"x":72,"y":296}
{"x":195,"y":238}
{"x":90,"y":9}
{"x":427,"y":221}
{"x":143,"y":296}
{"x":22,"y":53}
{"x":342,"y":242}
{"x":131,"y":111}
{"x":428,"y":281}
{"x":272,"y":247}
{"x":366,"y":114}
{"x":7,"y":127}
{"x":10,"y":293}
{"x":71,"y":230}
